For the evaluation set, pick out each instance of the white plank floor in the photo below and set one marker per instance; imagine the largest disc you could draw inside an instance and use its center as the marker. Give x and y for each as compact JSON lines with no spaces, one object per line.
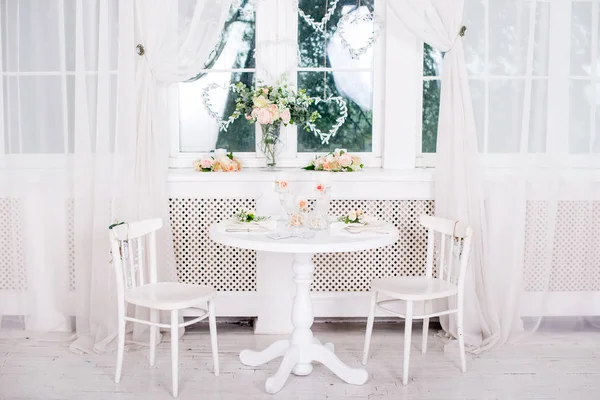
{"x":548,"y":366}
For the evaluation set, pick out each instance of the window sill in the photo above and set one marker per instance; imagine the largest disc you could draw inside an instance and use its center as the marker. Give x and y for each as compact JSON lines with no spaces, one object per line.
{"x":421,"y":175}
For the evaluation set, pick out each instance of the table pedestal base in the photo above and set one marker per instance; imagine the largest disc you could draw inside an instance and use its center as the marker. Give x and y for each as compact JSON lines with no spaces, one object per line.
{"x":302,"y":349}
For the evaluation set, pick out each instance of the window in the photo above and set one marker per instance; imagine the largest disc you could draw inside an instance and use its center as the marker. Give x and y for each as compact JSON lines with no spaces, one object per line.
{"x":432,"y":70}
{"x":327,"y":69}
{"x":515,"y":55}
{"x":584,"y":86}
{"x":231,"y":61}
{"x":323,"y":67}
{"x":38,"y":74}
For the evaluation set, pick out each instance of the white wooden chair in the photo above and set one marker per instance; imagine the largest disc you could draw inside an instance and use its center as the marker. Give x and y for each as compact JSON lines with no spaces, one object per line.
{"x":134,"y":287}
{"x":452,"y":259}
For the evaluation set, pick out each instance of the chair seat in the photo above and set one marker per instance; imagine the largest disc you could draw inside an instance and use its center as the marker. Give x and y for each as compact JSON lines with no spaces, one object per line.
{"x":414,"y":288}
{"x":169,"y":295}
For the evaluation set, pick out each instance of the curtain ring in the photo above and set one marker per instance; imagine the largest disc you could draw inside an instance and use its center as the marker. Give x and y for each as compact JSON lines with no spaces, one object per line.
{"x":462,"y":31}
{"x":139,"y":49}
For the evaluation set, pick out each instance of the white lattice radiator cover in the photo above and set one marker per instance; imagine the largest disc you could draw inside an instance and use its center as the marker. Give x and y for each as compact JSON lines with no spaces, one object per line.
{"x":201,"y":261}
{"x":13,"y":275}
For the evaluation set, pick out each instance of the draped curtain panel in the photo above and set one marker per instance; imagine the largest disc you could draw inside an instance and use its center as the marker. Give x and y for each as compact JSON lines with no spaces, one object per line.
{"x":83,"y":143}
{"x":457,"y":186}
{"x":517,"y":169}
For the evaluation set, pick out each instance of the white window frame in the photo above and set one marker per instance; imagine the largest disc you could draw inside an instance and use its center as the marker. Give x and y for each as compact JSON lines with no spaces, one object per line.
{"x":558,"y":76}
{"x":277,"y":20}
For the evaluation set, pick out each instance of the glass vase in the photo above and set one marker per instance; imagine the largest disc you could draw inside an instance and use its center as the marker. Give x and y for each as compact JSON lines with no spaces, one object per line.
{"x":270,"y":143}
{"x":320,"y":214}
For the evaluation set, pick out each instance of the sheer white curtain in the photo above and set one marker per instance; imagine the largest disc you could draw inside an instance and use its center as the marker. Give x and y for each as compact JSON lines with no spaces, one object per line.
{"x":82,"y":144}
{"x":521,"y":163}
{"x":457,"y":185}
{"x":177,"y":38}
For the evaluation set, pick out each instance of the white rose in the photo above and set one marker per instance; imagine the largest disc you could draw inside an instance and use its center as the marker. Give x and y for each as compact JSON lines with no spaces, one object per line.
{"x":330,"y":158}
{"x":220,"y":153}
{"x":352,"y":216}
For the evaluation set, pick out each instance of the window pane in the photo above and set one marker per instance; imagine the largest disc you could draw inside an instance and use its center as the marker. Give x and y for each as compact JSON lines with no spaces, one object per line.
{"x":582,"y":99}
{"x":581,"y":38}
{"x":505,"y":115}
{"x":198,"y":131}
{"x":432,"y":61}
{"x":431,"y":110}
{"x":356,"y":88}
{"x":235,"y":48}
{"x":508,"y":32}
{"x":318,"y":50}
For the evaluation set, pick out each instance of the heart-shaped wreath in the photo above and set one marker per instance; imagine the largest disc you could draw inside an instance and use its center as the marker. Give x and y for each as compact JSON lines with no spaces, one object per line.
{"x":223,"y":124}
{"x":325,"y":136}
{"x":264,"y":46}
{"x":319,"y":26}
{"x":354,"y":19}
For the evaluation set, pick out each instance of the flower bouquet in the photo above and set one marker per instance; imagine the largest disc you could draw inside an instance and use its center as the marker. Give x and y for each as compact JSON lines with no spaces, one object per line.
{"x":357,"y":216}
{"x":337,"y":161}
{"x":248,"y":216}
{"x":220,"y":161}
{"x":270,"y":106}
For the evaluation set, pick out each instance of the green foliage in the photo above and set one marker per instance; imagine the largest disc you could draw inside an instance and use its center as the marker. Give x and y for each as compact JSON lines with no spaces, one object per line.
{"x":431,"y":101}
{"x":248,"y":216}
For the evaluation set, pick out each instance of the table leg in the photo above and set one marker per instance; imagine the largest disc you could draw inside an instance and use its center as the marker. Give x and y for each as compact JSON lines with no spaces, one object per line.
{"x":302,"y":349}
{"x":255,"y":358}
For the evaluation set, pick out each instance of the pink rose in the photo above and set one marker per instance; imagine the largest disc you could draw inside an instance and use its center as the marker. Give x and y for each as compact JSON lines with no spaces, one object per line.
{"x":274,"y":110}
{"x":345,"y":160}
{"x":285,"y":116}
{"x":206,"y":162}
{"x":283,"y":184}
{"x":320,"y":188}
{"x":254,"y":113}
{"x":248,"y":117}
{"x":264,"y":116}
{"x":326,"y":166}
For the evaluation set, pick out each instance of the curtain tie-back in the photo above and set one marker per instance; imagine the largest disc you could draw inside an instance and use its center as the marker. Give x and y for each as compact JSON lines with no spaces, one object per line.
{"x":461,"y":33}
{"x":139,"y":49}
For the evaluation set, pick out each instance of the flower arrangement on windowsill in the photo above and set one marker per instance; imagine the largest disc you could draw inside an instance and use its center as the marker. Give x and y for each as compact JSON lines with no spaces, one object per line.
{"x":271,"y":106}
{"x":220,"y":161}
{"x":336,"y":161}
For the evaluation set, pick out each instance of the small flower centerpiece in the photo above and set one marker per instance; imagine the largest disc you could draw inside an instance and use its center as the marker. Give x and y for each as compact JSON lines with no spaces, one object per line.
{"x":357,"y":216}
{"x":220,"y":161}
{"x":320,"y":218}
{"x":282,"y":186}
{"x":271,"y":106}
{"x":299,"y":216}
{"x":248,"y":216}
{"x":337,"y":161}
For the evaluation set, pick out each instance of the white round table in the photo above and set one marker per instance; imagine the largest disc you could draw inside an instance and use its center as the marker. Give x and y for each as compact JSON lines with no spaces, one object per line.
{"x":302,"y":348}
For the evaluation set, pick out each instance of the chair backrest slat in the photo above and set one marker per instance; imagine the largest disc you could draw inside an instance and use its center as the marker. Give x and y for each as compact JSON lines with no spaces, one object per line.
{"x":140,"y":261}
{"x":454,"y":247}
{"x":430,"y":251}
{"x":442,"y":263}
{"x":129,"y":262}
{"x":450,"y":263}
{"x":132,"y":282}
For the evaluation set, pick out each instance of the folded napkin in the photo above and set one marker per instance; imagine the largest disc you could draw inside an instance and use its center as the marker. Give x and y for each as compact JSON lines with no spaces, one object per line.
{"x":372,"y":228}
{"x":254,"y":226}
